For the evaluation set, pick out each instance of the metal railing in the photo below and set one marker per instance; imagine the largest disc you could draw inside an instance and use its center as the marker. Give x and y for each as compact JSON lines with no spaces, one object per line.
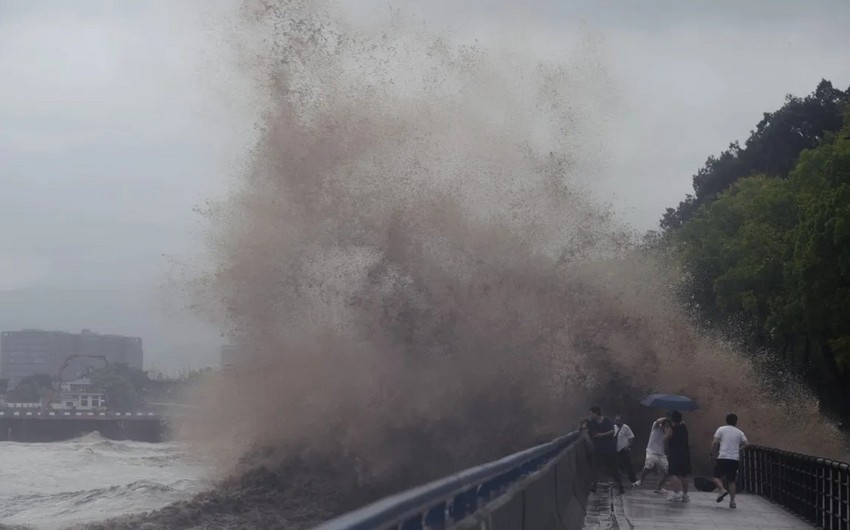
{"x":545,"y":487}
{"x":817,"y":489}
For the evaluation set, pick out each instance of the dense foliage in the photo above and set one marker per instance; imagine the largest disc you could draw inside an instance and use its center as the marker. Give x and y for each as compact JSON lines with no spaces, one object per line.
{"x":772,"y":148}
{"x":766,"y":240}
{"x":123,"y":386}
{"x":31,"y":389}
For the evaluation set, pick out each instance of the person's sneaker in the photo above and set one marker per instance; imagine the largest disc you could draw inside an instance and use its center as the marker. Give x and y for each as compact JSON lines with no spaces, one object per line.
{"x":722,"y":496}
{"x":674,"y":497}
{"x":636,"y":483}
{"x":661,"y":491}
{"x":732,"y":504}
{"x":685,"y":498}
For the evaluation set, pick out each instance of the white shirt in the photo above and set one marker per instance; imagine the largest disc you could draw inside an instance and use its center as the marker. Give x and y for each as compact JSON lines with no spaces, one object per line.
{"x":624,"y":434}
{"x":730,"y":442}
{"x":656,"y":440}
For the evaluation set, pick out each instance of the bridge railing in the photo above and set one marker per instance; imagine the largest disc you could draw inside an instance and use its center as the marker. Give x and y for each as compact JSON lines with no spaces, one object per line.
{"x":817,"y":489}
{"x":542,"y":487}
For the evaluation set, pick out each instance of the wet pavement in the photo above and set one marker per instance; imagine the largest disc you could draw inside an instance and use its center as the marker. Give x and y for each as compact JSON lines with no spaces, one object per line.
{"x":641,"y":508}
{"x":599,"y":512}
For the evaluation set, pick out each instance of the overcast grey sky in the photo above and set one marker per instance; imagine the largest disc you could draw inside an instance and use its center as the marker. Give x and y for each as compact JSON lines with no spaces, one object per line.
{"x":118,"y":118}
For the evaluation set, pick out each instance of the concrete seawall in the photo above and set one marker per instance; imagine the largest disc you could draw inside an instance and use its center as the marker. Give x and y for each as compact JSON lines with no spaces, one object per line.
{"x":57,"y":426}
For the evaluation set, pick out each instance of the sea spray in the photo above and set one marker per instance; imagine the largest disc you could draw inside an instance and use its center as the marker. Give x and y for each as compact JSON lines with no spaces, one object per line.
{"x":414,"y":278}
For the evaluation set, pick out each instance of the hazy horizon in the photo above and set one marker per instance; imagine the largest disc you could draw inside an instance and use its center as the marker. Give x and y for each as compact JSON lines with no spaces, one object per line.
{"x":121,"y":119}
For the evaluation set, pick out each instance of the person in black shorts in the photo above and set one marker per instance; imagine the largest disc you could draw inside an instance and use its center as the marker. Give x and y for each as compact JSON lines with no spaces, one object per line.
{"x":726,"y":472}
{"x":679,"y":458}
{"x":728,"y":442}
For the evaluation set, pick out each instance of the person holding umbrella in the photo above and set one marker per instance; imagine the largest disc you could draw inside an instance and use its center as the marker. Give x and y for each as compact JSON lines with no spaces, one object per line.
{"x":679,"y":457}
{"x":656,"y":457}
{"x":676,"y":439}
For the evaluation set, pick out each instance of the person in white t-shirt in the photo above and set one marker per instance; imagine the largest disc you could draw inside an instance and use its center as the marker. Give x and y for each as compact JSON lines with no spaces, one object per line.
{"x":624,"y":436}
{"x":656,"y":459}
{"x":726,"y":446}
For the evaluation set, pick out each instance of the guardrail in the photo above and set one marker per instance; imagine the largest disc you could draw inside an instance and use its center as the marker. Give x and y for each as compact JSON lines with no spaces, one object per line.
{"x":75,"y":414}
{"x":817,"y":489}
{"x":540,"y":488}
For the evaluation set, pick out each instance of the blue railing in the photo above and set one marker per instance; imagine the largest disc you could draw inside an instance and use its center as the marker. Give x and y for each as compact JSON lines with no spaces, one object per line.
{"x":542,"y":487}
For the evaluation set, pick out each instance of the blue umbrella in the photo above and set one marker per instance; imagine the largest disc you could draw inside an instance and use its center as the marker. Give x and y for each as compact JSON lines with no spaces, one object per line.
{"x":669,"y":402}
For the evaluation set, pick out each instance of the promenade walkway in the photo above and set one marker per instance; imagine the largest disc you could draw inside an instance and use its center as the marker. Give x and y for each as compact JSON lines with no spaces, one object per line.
{"x":641,"y":509}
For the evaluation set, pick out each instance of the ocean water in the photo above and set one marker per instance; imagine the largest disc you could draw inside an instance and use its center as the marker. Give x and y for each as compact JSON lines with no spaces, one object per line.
{"x":61,"y":484}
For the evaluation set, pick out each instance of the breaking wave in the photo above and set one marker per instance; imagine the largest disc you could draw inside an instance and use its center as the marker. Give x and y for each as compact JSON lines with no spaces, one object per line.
{"x":415,"y":279}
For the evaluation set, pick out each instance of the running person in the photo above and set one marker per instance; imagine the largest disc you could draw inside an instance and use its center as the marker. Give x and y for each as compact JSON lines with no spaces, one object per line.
{"x":726,"y":446}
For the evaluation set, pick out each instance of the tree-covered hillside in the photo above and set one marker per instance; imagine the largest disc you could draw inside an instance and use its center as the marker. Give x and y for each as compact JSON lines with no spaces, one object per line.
{"x":765,"y":240}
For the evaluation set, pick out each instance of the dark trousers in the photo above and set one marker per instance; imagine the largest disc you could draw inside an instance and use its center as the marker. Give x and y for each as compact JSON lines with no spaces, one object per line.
{"x":624,"y":462}
{"x":608,"y":465}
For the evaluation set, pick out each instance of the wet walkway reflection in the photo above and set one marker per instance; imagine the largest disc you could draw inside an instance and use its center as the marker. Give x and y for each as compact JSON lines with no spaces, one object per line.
{"x":640,"y":509}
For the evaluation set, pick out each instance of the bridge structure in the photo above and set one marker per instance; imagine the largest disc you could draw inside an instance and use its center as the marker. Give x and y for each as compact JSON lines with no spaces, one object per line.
{"x":548,"y":487}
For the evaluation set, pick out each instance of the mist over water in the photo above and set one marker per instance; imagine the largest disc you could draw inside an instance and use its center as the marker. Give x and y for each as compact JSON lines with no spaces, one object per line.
{"x":413,"y":276}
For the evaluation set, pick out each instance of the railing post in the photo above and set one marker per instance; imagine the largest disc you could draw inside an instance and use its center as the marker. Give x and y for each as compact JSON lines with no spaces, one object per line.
{"x":814,"y":488}
{"x":750,"y":460}
{"x":796,"y":480}
{"x":753,"y":455}
{"x":833,"y":523}
{"x":811,"y":489}
{"x":821,"y":521}
{"x":835,"y":496}
{"x":774,"y":476}
{"x":755,"y":466}
{"x":845,"y":495}
{"x":765,"y":474}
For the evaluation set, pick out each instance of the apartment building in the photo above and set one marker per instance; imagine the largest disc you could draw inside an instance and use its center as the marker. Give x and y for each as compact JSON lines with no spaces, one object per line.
{"x":35,"y":351}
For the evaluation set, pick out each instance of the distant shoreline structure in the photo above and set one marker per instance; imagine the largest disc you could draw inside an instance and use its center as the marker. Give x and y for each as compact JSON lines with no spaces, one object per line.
{"x":35,"y":351}
{"x":39,"y":426}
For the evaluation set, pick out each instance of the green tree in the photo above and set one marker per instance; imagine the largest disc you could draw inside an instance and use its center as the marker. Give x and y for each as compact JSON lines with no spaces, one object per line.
{"x":31,"y":389}
{"x":734,"y":250}
{"x":817,"y":302}
{"x":123,"y":386}
{"x":774,"y":255}
{"x":772,"y":148}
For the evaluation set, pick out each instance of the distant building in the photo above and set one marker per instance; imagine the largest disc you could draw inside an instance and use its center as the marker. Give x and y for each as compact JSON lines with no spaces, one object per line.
{"x":79,"y":395}
{"x":35,"y":351}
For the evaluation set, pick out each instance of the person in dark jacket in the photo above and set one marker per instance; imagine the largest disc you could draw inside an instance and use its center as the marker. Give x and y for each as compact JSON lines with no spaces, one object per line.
{"x":602,"y":431}
{"x":679,"y":458}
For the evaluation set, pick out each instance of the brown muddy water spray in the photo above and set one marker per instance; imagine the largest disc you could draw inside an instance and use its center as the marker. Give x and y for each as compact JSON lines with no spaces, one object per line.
{"x":413,"y":277}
